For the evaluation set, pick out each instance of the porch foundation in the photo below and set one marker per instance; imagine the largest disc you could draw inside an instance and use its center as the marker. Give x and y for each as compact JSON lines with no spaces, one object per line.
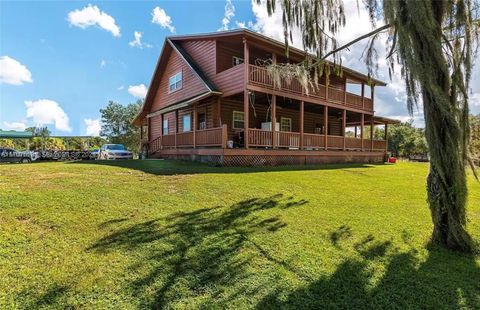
{"x":268,"y":157}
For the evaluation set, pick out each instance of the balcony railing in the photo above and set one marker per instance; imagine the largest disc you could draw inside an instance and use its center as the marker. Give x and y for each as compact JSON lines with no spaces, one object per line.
{"x":259,"y":76}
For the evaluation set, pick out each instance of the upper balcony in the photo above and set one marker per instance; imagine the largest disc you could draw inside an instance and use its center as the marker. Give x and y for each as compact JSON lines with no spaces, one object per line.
{"x":258,"y":76}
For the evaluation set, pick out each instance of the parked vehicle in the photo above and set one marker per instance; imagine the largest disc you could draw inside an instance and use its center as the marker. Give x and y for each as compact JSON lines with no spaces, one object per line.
{"x":114,"y":151}
{"x":12,"y":156}
{"x":94,"y":153}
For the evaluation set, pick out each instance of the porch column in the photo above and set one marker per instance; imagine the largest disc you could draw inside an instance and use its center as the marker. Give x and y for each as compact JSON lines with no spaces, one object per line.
{"x":372,"y":94}
{"x":325,"y":126}
{"x":372,"y":133}
{"x":245,"y":94}
{"x":194,"y":124}
{"x":345,"y":92}
{"x":162,"y":118}
{"x":386,"y":137}
{"x":327,"y":82}
{"x":362,"y":127}
{"x":363,"y":95}
{"x":176,"y":127}
{"x":274,"y":121}
{"x":356,"y":133}
{"x":301,"y":121}
{"x":344,"y":132}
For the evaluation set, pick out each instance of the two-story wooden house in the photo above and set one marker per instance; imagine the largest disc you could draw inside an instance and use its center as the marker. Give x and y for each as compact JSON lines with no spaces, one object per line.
{"x":210,"y":99}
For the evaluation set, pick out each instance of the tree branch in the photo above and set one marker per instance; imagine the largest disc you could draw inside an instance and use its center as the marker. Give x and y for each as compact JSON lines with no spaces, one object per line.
{"x":375,"y":31}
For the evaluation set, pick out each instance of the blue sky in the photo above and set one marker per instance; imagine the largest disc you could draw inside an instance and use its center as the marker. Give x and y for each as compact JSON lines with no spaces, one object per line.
{"x":70,"y":69}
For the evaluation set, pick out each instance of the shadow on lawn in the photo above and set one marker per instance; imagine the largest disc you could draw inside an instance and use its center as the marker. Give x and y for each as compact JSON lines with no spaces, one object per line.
{"x":175,"y":167}
{"x":198,"y":252}
{"x":445,"y":280}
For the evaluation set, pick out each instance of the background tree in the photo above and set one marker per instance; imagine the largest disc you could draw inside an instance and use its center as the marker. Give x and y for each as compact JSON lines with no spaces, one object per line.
{"x":475,"y":145}
{"x":117,"y":124}
{"x":405,"y":140}
{"x":434,"y":43}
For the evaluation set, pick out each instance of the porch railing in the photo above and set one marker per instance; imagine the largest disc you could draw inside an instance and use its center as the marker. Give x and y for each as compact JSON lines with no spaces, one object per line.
{"x":212,"y":137}
{"x":259,"y":76}
{"x":258,"y":137}
{"x":217,"y":137}
{"x":288,"y":139}
{"x":313,"y":141}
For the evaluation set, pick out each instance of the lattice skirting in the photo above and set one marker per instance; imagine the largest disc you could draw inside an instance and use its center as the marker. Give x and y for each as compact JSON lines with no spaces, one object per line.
{"x":274,"y":160}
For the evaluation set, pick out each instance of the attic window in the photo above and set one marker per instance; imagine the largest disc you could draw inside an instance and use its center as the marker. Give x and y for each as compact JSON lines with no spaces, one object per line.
{"x":237,"y":61}
{"x":175,"y":82}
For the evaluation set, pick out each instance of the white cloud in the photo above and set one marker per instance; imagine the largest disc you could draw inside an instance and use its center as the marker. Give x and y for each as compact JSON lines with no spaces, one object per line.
{"x":139,"y":91}
{"x":13,"y":72}
{"x":271,"y":26}
{"x":227,"y":16}
{"x":160,"y":17}
{"x":44,"y":112}
{"x":92,"y":127}
{"x":19,"y":126}
{"x":137,"y":41}
{"x":475,"y":99}
{"x":103,"y":63}
{"x":240,"y":24}
{"x":90,"y":16}
{"x":120,"y":87}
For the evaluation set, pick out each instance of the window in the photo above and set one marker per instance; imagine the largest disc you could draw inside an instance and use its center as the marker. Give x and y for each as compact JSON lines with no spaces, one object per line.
{"x":285,"y":124}
{"x":187,"y":123}
{"x":165,"y":127}
{"x":238,"y":120}
{"x":202,"y":121}
{"x":236,"y":61}
{"x":175,"y":82}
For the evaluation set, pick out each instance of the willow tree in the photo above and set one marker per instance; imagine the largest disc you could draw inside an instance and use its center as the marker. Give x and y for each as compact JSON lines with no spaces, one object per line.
{"x":434,"y":42}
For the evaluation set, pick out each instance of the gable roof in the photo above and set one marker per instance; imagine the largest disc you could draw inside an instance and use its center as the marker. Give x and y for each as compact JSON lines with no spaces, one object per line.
{"x":274,"y":43}
{"x":168,"y":47}
{"x":171,"y":44}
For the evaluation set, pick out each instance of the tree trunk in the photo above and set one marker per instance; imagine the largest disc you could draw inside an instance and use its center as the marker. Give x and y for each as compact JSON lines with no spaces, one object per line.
{"x":446,"y":182}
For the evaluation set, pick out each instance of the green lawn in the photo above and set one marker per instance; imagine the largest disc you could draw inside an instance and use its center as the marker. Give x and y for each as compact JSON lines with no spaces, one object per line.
{"x":162,"y":234}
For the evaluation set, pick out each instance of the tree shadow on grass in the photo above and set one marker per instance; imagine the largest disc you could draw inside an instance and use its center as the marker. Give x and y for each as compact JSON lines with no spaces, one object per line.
{"x":195,"y":254}
{"x":176,"y":167}
{"x":445,"y":280}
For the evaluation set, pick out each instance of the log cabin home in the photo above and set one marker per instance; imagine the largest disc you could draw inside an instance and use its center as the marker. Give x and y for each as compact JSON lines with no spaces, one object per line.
{"x":211,"y":99}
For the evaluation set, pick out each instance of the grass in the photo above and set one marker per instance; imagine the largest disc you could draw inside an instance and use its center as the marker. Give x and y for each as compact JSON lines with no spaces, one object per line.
{"x":162,"y":234}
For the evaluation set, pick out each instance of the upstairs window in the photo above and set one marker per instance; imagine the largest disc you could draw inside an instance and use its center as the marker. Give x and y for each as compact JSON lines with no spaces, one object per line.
{"x":238,"y":120}
{"x":236,"y":61}
{"x":187,"y":123}
{"x":175,"y":82}
{"x":165,"y":127}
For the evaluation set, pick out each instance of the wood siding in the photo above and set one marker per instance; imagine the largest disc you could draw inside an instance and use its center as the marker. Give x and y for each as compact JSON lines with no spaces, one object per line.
{"x":192,"y":85}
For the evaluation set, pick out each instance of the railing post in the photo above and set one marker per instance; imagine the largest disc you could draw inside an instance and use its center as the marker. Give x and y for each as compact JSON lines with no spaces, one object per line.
{"x":274,"y":121}
{"x":325,"y":126}
{"x":194,"y":124}
{"x":363,"y":95}
{"x":344,"y":124}
{"x":302,"y":116}
{"x":372,"y":94}
{"x":362,"y":119}
{"x":327,"y":83}
{"x":245,"y":93}
{"x":386,"y":138}
{"x":176,"y":127}
{"x":372,"y":132}
{"x":224,"y":136}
